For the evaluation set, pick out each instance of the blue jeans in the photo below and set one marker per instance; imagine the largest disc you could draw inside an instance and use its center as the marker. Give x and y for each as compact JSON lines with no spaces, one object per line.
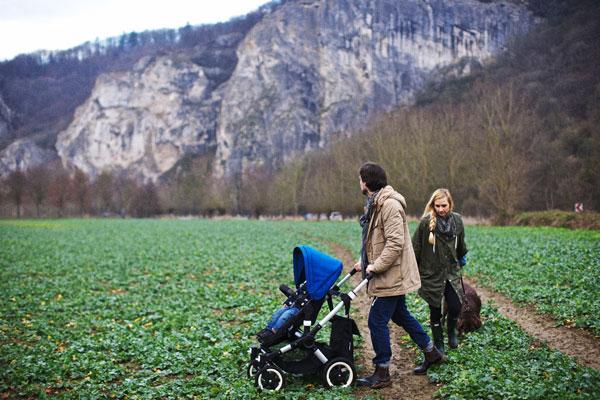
{"x":281,"y":317}
{"x":382,"y":310}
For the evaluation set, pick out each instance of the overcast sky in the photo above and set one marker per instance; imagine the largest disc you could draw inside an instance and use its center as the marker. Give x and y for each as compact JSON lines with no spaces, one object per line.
{"x":30,"y":25}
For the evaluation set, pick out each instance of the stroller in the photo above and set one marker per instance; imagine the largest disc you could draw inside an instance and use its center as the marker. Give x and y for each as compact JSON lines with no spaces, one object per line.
{"x":314,"y":275}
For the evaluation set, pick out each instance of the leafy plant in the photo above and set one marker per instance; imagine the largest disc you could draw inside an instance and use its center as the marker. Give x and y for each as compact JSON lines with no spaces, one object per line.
{"x":168,"y":308}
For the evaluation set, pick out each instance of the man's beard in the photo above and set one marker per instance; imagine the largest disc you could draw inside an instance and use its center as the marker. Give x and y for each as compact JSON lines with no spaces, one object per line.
{"x":365,"y":191}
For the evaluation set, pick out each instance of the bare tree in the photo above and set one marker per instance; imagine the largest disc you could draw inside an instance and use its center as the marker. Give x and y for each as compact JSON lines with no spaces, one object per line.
{"x":285,"y":191}
{"x":81,"y":190}
{"x":256,"y":186}
{"x":104,"y":191}
{"x":505,"y":126}
{"x":125,"y":190}
{"x":16,"y":183}
{"x":38,"y":179}
{"x":58,"y":192}
{"x":146,"y":202}
{"x":189,"y":189}
{"x":346,"y":157}
{"x":216,"y":200}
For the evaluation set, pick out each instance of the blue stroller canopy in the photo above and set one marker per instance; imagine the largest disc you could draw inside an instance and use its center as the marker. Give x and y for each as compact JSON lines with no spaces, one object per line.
{"x":319,"y":270}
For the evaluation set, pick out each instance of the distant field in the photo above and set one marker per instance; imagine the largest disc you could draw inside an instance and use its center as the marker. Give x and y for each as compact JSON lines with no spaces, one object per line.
{"x":554,"y":269}
{"x":168,"y":309}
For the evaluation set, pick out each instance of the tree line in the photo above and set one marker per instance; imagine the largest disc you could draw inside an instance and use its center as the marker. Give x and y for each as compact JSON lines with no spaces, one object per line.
{"x":54,"y":191}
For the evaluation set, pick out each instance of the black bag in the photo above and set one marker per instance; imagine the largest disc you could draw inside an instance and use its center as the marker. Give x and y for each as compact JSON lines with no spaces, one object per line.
{"x":341,"y":340}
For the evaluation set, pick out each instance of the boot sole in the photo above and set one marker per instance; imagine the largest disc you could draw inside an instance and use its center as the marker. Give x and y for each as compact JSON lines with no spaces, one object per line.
{"x":360,"y":383}
{"x":381,"y":385}
{"x":440,"y":360}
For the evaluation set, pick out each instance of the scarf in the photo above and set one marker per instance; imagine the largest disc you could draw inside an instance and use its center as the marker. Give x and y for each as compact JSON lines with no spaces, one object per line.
{"x":446,"y":227}
{"x":364,"y":223}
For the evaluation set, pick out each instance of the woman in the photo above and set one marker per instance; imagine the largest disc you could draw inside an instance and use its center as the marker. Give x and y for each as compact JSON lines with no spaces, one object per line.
{"x":440,"y":249}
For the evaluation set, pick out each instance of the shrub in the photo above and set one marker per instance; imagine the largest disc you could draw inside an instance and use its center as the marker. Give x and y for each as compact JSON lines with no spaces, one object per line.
{"x":557,"y":218}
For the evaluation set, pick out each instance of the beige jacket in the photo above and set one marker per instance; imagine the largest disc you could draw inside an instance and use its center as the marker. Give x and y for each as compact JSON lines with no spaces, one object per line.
{"x":389,"y":248}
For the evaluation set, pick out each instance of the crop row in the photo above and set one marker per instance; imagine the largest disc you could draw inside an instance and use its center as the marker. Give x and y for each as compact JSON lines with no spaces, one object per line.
{"x":168,"y":309}
{"x":553,"y":269}
{"x":137,"y":309}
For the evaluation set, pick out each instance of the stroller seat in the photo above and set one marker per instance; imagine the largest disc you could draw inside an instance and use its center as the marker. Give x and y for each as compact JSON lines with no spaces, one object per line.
{"x":288,"y":331}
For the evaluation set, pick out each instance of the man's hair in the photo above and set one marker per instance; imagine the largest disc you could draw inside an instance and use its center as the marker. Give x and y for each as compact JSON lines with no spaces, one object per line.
{"x":373,"y":175}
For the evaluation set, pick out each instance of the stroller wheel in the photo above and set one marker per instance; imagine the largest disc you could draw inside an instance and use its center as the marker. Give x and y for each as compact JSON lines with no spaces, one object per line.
{"x":251,"y":371}
{"x":338,"y":372}
{"x":270,"y":378}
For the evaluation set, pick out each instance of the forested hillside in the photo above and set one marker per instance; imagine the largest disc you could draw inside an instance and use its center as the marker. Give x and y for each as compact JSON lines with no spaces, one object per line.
{"x":522,"y":133}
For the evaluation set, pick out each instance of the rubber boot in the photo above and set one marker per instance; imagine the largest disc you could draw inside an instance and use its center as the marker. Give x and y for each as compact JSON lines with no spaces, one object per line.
{"x":431,"y":357}
{"x":438,"y":336}
{"x":380,"y":378}
{"x":452,"y":339}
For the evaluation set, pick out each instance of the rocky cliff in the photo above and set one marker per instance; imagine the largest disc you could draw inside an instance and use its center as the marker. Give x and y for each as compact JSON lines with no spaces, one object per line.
{"x":307,"y":71}
{"x":315,"y":68}
{"x":5,"y":121}
{"x":143,"y":120}
{"x":23,"y":154}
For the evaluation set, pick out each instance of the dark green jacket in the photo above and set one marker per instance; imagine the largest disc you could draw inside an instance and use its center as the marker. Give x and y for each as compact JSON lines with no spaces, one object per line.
{"x":437,"y":267}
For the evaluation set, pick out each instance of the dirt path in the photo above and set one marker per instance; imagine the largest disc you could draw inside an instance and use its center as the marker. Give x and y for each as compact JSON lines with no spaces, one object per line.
{"x":571,"y":341}
{"x":405,"y":385}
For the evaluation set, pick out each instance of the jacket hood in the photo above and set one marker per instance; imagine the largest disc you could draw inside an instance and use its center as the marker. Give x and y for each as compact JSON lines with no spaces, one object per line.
{"x":387,"y":193}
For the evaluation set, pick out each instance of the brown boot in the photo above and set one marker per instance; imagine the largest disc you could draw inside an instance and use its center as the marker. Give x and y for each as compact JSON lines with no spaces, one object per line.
{"x":379,"y":379}
{"x":431,"y":357}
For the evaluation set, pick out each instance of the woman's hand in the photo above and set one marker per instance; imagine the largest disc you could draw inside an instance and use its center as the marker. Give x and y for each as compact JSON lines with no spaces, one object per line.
{"x":369,"y":268}
{"x":357,"y":266}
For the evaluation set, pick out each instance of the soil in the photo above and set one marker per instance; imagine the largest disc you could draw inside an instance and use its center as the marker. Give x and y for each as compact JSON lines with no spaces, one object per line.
{"x":572,"y":341}
{"x":405,"y":385}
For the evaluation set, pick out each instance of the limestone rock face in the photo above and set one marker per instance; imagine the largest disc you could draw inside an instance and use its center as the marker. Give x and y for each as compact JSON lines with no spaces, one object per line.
{"x":23,"y":154}
{"x":307,"y":71}
{"x":5,"y":122}
{"x":316,"y":68}
{"x":142,"y":120}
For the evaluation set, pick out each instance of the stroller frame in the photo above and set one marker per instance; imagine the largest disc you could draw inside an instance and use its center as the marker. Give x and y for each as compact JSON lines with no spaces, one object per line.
{"x":268,"y":369}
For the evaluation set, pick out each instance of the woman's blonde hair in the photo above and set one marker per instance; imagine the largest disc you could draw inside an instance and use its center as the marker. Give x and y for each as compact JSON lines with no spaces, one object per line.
{"x":438,"y":194}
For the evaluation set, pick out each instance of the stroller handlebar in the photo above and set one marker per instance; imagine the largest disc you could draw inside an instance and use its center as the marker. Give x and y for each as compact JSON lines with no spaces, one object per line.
{"x":350,"y":274}
{"x":367,"y":276}
{"x":285,"y":289}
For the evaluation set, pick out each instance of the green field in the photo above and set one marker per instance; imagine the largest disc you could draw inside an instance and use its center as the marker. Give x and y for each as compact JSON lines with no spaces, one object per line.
{"x":168,"y":308}
{"x":554,"y":269}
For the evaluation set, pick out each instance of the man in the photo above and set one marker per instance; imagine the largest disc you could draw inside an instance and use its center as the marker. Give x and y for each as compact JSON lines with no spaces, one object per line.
{"x":387,"y":254}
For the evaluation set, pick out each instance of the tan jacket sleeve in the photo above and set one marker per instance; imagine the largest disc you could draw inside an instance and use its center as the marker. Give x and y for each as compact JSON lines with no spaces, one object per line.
{"x":393,"y":230}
